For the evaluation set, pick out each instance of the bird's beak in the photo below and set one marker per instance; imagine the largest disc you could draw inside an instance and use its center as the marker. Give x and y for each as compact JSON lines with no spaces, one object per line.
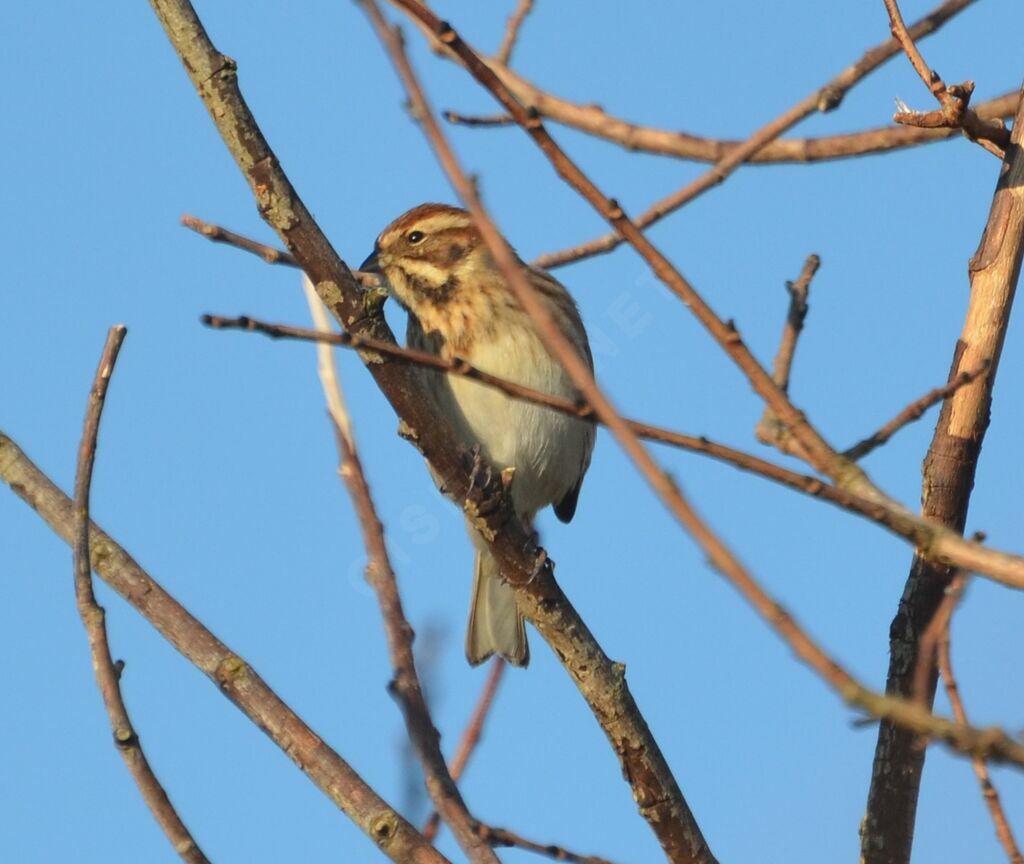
{"x":372,"y":264}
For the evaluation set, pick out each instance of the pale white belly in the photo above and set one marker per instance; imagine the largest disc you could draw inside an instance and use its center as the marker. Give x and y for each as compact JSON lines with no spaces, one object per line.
{"x":546,"y":448}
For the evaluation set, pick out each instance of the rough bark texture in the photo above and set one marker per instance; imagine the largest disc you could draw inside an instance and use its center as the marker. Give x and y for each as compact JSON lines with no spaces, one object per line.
{"x":949,"y":468}
{"x":236,"y":679}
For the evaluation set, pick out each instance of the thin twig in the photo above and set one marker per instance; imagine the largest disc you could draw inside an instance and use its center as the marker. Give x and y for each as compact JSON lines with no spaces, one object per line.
{"x":515,"y":23}
{"x":405,"y":685}
{"x":108,"y":673}
{"x":989,"y":793}
{"x":471,"y":736}
{"x":914,"y":411}
{"x":824,"y":99}
{"x":221,"y":235}
{"x":798,"y":293}
{"x":270,"y":254}
{"x":769,"y":430}
{"x":504,"y":837}
{"x":593,"y":120}
{"x":475,"y":727}
{"x":230,"y":673}
{"x":928,"y":644}
{"x":488,"y":120}
{"x":954,"y":100}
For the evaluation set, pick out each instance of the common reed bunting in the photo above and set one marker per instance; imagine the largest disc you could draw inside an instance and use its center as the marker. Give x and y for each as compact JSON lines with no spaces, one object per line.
{"x":439,"y":269}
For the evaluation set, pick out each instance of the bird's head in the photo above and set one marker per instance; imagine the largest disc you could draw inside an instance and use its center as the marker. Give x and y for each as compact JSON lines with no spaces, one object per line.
{"x":428,"y":255}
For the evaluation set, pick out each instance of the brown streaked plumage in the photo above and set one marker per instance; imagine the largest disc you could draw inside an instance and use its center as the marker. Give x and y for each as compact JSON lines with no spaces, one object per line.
{"x":438,"y":268}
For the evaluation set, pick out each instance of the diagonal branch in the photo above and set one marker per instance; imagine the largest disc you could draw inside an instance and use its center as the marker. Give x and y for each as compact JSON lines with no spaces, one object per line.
{"x":232,"y":675}
{"x":593,"y":120}
{"x":515,"y":24}
{"x":670,"y":142}
{"x":504,"y":837}
{"x":270,"y":254}
{"x":989,"y":793}
{"x":405,"y":685}
{"x":217,"y":234}
{"x":954,"y":100}
{"x":108,"y":673}
{"x":803,"y":483}
{"x":914,"y":411}
{"x":824,"y":99}
{"x":471,"y":735}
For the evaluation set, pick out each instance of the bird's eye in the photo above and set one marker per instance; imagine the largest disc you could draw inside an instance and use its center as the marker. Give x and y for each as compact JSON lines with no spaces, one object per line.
{"x":415,"y":237}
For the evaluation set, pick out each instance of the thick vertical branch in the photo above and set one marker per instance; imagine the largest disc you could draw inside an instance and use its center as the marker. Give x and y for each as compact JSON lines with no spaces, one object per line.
{"x":949,"y":468}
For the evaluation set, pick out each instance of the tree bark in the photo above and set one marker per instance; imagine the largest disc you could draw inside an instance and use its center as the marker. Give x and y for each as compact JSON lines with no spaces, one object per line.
{"x":949,"y":468}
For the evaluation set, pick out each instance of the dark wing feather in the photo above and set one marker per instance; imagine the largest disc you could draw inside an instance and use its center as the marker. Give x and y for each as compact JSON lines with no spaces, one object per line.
{"x":556,"y":294}
{"x":566,"y":508}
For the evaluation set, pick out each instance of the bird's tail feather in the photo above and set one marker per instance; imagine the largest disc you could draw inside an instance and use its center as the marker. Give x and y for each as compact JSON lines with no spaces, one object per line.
{"x":495,"y":624}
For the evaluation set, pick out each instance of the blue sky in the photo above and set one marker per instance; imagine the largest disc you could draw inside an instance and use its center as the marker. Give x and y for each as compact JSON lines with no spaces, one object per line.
{"x":217,"y":467}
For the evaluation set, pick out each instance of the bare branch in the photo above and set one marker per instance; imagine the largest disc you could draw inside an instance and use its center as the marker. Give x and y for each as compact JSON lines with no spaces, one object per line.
{"x":108,"y":673}
{"x":989,"y":793}
{"x":824,"y":99}
{"x":405,"y":685}
{"x":933,"y":634}
{"x":471,"y":736}
{"x":954,"y":113}
{"x":914,"y":411}
{"x":222,"y":235}
{"x":798,"y":292}
{"x":270,"y":254}
{"x":229,"y":672}
{"x":769,"y":430}
{"x":670,"y":142}
{"x":515,"y":23}
{"x":490,"y":120}
{"x":504,"y":837}
{"x":593,"y":120}
{"x":949,"y":470}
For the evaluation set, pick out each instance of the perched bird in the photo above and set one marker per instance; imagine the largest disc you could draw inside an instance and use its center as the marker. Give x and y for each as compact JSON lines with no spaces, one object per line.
{"x":440,"y":271}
